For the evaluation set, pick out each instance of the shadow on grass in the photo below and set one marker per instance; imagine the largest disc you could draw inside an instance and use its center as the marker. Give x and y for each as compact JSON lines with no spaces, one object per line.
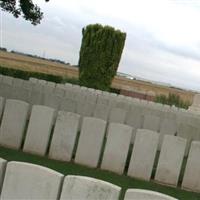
{"x":69,"y":168}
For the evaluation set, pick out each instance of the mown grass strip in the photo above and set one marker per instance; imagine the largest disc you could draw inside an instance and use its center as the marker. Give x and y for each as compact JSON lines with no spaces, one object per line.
{"x":123,"y":181}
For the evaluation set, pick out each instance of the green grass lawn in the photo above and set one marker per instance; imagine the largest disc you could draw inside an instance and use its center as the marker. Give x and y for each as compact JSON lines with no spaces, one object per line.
{"x":69,"y":168}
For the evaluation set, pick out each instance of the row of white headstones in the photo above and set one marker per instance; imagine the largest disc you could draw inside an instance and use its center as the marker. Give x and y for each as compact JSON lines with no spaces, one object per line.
{"x":42,"y":120}
{"x":29,"y":181}
{"x":90,"y":150}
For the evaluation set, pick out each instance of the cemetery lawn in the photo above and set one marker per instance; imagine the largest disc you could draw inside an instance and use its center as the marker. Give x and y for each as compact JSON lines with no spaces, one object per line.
{"x":69,"y":168}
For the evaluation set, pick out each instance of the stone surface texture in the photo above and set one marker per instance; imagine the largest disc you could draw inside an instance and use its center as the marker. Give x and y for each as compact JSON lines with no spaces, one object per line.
{"x":86,"y":188}
{"x":39,"y":130}
{"x":90,"y":141}
{"x":28,"y":181}
{"x":191,"y":179}
{"x":137,"y":194}
{"x":13,"y":123}
{"x":143,"y":155}
{"x":170,"y":160}
{"x":2,"y":171}
{"x":117,"y":146}
{"x":64,"y":136}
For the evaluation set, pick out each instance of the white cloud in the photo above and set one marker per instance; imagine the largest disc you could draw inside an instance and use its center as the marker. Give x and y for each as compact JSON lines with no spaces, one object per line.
{"x":163,"y":42}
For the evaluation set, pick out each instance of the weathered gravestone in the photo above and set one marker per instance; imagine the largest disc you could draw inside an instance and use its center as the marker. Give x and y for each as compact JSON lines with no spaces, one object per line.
{"x":170,"y":160}
{"x":13,"y":123}
{"x":191,"y":179}
{"x":151,"y":122}
{"x":195,"y":107}
{"x":168,"y":127}
{"x":137,"y":194}
{"x":68,"y":105}
{"x":117,"y":115}
{"x":29,"y":181}
{"x":188,"y":132}
{"x":117,"y":146}
{"x":143,"y":155}
{"x":2,"y":171}
{"x":101,"y":111}
{"x":86,"y":188}
{"x":39,"y":129}
{"x":90,"y":141}
{"x":64,"y":136}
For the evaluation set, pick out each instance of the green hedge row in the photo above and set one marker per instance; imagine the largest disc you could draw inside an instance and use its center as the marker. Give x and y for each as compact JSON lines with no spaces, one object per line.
{"x":172,"y":99}
{"x":26,"y":75}
{"x":16,"y":73}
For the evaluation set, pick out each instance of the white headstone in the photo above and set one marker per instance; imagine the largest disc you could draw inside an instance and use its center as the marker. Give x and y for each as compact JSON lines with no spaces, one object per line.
{"x":2,"y":100}
{"x":21,"y":93}
{"x":39,"y":130}
{"x":196,"y":103}
{"x":2,"y":171}
{"x":188,"y":132}
{"x":17,"y":82}
{"x":170,"y":160}
{"x":28,"y":84}
{"x":101,"y":99}
{"x":117,"y":146}
{"x":51,"y":84}
{"x":137,"y":194}
{"x":52,"y":100}
{"x":28,"y":181}
{"x":117,"y":115}
{"x":60,"y":90}
{"x":86,"y":188}
{"x":191,"y":179}
{"x":42,"y":82}
{"x":90,"y":141}
{"x":6,"y":87}
{"x":36,"y":94}
{"x":85,"y":109}
{"x":64,"y":136}
{"x":1,"y":77}
{"x":168,"y":127}
{"x":33,"y":80}
{"x":123,"y":104}
{"x":143,"y":155}
{"x":8,"y":80}
{"x":101,"y":111}
{"x":134,"y":118}
{"x":91,"y":97}
{"x":49,"y":88}
{"x":68,"y":84}
{"x":151,"y":123}
{"x":68,"y":105}
{"x":13,"y":123}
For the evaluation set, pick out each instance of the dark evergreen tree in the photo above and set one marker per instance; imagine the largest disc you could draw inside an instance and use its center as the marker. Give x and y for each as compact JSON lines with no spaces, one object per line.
{"x":26,"y":8}
{"x":100,"y":54}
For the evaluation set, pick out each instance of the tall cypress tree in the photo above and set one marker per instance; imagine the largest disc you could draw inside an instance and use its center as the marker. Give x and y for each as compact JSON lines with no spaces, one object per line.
{"x":100,"y":53}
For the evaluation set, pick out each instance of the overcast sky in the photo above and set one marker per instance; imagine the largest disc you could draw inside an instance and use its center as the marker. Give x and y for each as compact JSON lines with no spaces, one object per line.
{"x":163,"y":37}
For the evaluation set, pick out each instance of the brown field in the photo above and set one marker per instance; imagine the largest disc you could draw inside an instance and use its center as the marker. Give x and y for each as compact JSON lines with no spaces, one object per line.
{"x":27,"y":63}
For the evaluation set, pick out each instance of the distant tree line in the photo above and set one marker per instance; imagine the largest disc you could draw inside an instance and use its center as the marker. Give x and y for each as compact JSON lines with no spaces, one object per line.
{"x":3,"y":49}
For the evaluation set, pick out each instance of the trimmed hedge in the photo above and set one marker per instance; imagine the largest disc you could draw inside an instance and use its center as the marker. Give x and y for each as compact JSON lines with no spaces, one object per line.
{"x":100,"y":54}
{"x":16,"y":73}
{"x":27,"y":74}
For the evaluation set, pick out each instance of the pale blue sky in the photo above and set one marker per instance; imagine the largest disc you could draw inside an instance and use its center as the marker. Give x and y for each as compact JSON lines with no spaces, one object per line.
{"x":163,"y":37}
